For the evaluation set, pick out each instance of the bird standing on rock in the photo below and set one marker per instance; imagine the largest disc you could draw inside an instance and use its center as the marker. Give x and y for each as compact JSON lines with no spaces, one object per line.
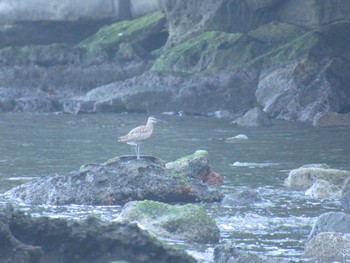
{"x":139,"y":135}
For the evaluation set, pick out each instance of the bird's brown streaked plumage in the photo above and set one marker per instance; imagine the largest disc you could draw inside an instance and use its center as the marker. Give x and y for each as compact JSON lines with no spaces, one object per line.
{"x":139,"y":135}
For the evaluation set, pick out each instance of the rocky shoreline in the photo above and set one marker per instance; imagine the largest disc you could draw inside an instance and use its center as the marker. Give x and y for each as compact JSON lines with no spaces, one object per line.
{"x":290,"y":67}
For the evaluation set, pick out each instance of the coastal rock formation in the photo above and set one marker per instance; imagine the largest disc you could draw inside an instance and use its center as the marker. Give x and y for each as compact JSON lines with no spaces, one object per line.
{"x":47,"y":240}
{"x":289,"y":58}
{"x":324,"y":189}
{"x":188,"y":222}
{"x":116,"y":181}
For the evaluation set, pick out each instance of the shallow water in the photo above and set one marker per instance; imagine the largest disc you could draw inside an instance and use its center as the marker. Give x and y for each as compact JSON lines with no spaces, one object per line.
{"x":32,"y":145}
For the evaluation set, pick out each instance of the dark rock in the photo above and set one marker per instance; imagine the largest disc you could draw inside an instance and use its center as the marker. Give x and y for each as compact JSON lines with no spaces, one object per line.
{"x":230,"y":254}
{"x":188,"y":222}
{"x":331,"y":119}
{"x":156,"y":92}
{"x":328,"y":247}
{"x":253,"y":118}
{"x":241,"y":198}
{"x":40,"y":239}
{"x":331,"y":222}
{"x":116,"y":181}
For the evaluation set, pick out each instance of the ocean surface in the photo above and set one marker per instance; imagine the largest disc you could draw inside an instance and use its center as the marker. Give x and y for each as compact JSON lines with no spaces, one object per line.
{"x":33,"y":145}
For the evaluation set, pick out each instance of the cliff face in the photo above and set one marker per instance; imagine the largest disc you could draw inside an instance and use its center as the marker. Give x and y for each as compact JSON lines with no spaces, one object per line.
{"x":289,"y":57}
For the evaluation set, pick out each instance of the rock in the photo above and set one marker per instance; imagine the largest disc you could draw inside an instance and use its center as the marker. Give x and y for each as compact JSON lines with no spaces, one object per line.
{"x":228,"y":253}
{"x":96,"y":61}
{"x":253,"y":118}
{"x":116,"y":181}
{"x":299,"y":83}
{"x":331,"y":119}
{"x":303,"y":178}
{"x":188,"y":222}
{"x":197,"y":166}
{"x":331,"y":222}
{"x":345,"y":194}
{"x":51,"y":240}
{"x":237,"y":138}
{"x":305,"y":14}
{"x":222,"y":15}
{"x":316,"y":165}
{"x":328,"y":247}
{"x":28,"y":100}
{"x":37,"y":22}
{"x":165,"y":92}
{"x":324,"y":189}
{"x":241,"y":198}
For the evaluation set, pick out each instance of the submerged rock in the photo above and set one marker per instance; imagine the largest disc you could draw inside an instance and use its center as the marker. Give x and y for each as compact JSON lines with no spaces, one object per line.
{"x":331,"y":222}
{"x":328,"y":247}
{"x":241,"y":198}
{"x":303,"y":178}
{"x":229,"y":253}
{"x":331,"y":119}
{"x":188,"y":222}
{"x":47,"y":240}
{"x":323,"y":189}
{"x":117,"y":181}
{"x":253,"y":118}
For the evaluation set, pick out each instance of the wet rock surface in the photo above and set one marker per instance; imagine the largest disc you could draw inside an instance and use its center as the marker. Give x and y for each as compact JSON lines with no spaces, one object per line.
{"x":116,"y":181}
{"x":303,"y":178}
{"x":328,"y":247}
{"x":45,"y":240}
{"x":187,"y":222}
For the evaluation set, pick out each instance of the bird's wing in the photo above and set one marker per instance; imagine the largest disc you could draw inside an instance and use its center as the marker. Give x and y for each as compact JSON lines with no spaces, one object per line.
{"x":139,"y":133}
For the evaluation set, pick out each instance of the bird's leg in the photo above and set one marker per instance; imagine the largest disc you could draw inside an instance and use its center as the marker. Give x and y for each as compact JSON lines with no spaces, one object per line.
{"x":138,"y":151}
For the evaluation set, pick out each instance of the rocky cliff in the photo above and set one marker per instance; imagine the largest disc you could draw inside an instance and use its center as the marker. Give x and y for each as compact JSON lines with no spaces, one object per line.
{"x":288,"y":57}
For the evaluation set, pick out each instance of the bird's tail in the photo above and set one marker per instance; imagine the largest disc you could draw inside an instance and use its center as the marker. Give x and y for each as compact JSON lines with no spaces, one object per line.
{"x":121,"y":138}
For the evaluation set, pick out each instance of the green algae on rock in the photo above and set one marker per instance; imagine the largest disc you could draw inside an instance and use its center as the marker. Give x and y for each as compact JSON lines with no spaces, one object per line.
{"x":187,"y":222}
{"x":127,"y":36}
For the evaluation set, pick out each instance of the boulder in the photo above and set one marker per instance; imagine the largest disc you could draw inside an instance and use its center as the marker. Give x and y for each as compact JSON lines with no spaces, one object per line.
{"x":328,"y":247}
{"x":241,"y":198}
{"x":303,"y":178}
{"x":306,"y":76}
{"x":187,"y":222}
{"x":197,"y":166}
{"x":255,"y":117}
{"x":331,"y":119}
{"x":157,"y":92}
{"x":331,"y":222}
{"x":42,"y":239}
{"x":116,"y":181}
{"x":324,"y":189}
{"x":229,"y":253}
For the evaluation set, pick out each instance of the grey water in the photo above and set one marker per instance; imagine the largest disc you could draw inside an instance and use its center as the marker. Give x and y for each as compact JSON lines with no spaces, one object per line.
{"x":32,"y":145}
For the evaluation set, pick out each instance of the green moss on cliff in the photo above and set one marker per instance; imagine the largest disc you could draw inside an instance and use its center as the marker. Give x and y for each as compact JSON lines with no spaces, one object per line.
{"x":276,"y":33}
{"x":127,"y":32}
{"x":210,"y":51}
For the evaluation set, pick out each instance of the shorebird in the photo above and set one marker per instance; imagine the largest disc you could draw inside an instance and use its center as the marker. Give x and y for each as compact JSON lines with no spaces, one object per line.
{"x":139,"y":135}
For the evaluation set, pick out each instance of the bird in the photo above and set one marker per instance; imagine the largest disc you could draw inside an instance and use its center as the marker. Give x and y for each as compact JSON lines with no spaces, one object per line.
{"x":139,"y":135}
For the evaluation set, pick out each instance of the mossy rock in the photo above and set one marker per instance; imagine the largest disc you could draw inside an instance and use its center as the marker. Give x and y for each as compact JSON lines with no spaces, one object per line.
{"x":129,"y":38}
{"x":276,"y":33}
{"x":187,"y":222}
{"x":209,"y":52}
